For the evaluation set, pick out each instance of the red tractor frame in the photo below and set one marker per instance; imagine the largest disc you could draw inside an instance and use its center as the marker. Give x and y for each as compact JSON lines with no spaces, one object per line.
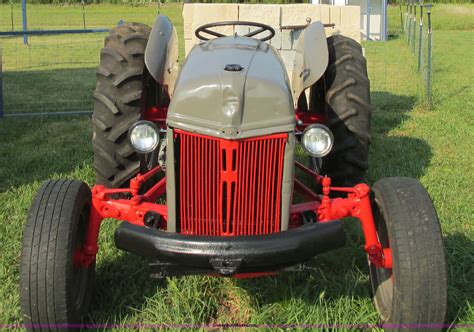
{"x":357,"y":204}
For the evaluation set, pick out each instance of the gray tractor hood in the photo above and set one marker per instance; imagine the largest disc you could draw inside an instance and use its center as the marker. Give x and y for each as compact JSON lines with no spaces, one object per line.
{"x":232,"y":87}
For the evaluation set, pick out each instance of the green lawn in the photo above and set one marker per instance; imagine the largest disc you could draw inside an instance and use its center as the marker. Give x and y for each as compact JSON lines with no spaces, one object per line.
{"x":408,"y":140}
{"x":66,"y":62}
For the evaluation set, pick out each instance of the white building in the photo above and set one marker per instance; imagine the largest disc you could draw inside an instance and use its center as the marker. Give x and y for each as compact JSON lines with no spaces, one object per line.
{"x":373,"y":16}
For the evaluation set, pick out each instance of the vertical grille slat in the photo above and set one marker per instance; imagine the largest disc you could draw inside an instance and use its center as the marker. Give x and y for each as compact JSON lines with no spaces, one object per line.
{"x":259,"y":197}
{"x":252,"y":194}
{"x":266,"y":201}
{"x":206,"y":182}
{"x":280,"y":176}
{"x":272,"y":183}
{"x":245,"y":183}
{"x":181,"y":192}
{"x":229,"y":188}
{"x":194,"y":162}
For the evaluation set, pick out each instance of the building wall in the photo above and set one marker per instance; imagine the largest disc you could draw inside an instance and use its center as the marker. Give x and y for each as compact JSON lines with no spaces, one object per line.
{"x":376,"y":18}
{"x":345,"y":18}
{"x":377,"y":24}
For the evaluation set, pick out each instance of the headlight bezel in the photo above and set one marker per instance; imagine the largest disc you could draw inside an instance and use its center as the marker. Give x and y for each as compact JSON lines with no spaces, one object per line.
{"x":155,"y":129}
{"x":326,"y":130}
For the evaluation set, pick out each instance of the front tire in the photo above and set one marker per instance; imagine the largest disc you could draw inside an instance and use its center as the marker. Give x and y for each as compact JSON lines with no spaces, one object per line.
{"x":52,"y":290}
{"x":414,"y":291}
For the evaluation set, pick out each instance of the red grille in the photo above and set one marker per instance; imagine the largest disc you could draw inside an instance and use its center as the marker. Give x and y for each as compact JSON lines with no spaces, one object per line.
{"x":229,"y":188}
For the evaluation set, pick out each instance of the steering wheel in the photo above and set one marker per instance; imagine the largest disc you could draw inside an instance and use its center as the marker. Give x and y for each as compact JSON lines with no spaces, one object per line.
{"x":262,"y":28}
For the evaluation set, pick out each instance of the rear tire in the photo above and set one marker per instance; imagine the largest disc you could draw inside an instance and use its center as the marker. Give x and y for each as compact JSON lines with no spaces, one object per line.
{"x":414,"y":291}
{"x":53,"y":290}
{"x":347,"y":110}
{"x":119,"y":102}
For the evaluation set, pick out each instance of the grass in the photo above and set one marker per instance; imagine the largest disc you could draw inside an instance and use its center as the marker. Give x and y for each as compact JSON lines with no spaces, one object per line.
{"x":444,"y":17}
{"x":67,"y":62}
{"x":408,"y":140}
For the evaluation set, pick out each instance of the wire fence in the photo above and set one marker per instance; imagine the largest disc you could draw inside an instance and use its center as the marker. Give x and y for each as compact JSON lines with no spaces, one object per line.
{"x":55,"y":73}
{"x":419,"y":36}
{"x":48,"y":59}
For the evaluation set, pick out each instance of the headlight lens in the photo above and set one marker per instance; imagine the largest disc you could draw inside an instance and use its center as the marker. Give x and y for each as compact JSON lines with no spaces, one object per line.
{"x":144,"y":136}
{"x":317,"y":140}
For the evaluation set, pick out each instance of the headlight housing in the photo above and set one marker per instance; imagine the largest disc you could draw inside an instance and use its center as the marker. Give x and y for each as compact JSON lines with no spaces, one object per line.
{"x":317,"y":140}
{"x":144,"y":136}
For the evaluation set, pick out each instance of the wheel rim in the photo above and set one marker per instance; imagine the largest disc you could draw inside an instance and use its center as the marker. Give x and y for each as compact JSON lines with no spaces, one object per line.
{"x":80,"y":274}
{"x":381,"y":279}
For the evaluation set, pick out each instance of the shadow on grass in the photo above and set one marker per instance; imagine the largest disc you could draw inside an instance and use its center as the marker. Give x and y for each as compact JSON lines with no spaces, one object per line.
{"x":122,"y":284}
{"x":394,"y":154}
{"x":460,"y":256}
{"x":48,"y":90}
{"x":36,"y":148}
{"x":336,"y":275}
{"x":394,"y":35}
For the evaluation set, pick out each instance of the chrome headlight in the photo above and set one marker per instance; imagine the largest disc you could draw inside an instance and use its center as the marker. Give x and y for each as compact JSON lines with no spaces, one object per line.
{"x":317,"y":140}
{"x":144,"y":136}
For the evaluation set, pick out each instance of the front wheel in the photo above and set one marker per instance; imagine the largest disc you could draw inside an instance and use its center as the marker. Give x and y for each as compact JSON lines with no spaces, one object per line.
{"x":413,"y":294}
{"x":53,"y":290}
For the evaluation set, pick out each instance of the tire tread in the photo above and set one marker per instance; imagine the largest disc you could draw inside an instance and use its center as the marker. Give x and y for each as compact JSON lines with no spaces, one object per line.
{"x":119,"y":90}
{"x":46,"y":239}
{"x":419,"y":263}
{"x":348,"y":112}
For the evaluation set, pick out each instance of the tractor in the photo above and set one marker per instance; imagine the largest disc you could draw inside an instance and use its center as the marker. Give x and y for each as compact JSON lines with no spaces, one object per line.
{"x":199,"y":165}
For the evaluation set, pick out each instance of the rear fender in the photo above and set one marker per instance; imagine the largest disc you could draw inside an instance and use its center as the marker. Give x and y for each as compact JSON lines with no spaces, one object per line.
{"x":311,"y":58}
{"x":161,"y":53}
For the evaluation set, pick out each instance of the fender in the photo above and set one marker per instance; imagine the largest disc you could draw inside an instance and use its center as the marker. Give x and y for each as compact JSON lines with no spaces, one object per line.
{"x":161,"y":53}
{"x":311,"y":58}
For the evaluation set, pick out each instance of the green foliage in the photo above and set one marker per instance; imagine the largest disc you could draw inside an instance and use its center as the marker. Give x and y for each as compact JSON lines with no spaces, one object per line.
{"x":407,"y":140}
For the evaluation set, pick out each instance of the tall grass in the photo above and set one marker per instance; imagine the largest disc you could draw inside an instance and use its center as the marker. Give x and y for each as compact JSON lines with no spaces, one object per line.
{"x":444,"y":17}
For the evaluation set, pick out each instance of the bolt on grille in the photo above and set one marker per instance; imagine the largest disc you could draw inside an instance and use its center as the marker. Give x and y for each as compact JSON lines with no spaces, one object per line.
{"x":229,"y":188}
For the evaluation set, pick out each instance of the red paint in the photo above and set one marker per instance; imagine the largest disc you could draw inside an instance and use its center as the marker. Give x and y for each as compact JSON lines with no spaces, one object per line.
{"x":132,"y":210}
{"x":229,"y":187}
{"x":156,"y":114}
{"x":357,"y":205}
{"x":209,"y":169}
{"x":305,"y":118}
